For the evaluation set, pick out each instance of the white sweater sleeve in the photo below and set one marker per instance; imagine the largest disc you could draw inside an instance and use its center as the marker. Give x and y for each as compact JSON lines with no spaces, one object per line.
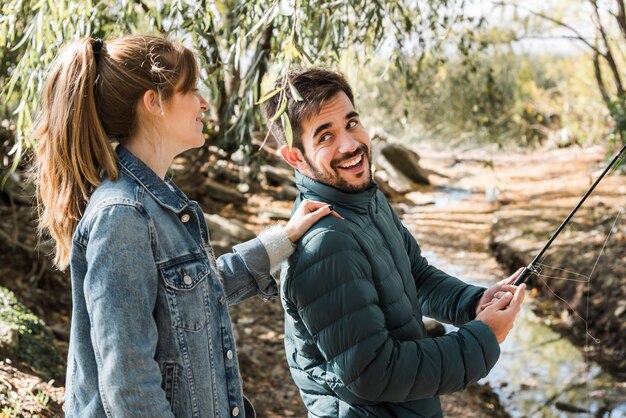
{"x":277,"y":244}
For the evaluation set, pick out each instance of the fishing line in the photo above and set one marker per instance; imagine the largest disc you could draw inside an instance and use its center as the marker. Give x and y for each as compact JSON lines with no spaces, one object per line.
{"x":571,"y":308}
{"x":529,"y":269}
{"x":565,"y":279}
{"x":563,"y":270}
{"x":538,"y":271}
{"x":535,"y":267}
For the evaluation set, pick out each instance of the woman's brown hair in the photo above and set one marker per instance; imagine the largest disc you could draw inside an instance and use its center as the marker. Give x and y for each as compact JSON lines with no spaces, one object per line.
{"x":89,"y":100}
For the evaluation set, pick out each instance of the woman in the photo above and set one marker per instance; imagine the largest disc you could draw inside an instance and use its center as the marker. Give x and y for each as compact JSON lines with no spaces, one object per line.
{"x":150,"y":333}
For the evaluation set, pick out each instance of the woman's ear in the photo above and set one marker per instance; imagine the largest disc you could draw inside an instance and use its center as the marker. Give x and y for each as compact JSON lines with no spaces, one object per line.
{"x":151,"y":103}
{"x":292,"y":156}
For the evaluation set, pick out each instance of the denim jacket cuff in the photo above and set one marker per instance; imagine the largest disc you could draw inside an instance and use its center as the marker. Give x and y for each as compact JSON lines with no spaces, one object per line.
{"x":277,"y":244}
{"x":257,"y":261}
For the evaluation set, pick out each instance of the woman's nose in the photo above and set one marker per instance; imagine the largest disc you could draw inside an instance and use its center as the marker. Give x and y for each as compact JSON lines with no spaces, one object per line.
{"x":204,"y":105}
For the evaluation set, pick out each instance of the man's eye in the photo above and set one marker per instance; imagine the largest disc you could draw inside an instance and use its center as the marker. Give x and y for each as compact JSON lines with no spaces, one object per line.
{"x":325,"y":137}
{"x":352,"y":124}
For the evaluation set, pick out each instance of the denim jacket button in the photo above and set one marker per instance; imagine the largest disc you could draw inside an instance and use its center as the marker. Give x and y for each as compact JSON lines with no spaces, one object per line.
{"x":187,"y":279}
{"x":229,"y":354}
{"x":235,"y":411}
{"x":185,"y":218}
{"x":222,"y":300}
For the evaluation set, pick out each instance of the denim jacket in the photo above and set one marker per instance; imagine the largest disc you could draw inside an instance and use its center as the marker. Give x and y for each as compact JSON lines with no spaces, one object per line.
{"x":151,"y":335}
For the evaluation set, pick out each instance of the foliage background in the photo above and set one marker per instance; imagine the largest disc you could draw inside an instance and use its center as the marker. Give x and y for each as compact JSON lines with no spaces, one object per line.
{"x":464,"y":77}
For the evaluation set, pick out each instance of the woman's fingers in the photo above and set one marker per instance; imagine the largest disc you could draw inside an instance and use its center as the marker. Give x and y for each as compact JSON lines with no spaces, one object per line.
{"x":336,"y":214}
{"x":325,"y":210}
{"x":312,"y":206}
{"x":309,"y":206}
{"x":305,"y":216}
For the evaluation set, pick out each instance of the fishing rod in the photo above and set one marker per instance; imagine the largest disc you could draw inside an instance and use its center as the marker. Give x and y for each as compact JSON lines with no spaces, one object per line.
{"x":530,"y":269}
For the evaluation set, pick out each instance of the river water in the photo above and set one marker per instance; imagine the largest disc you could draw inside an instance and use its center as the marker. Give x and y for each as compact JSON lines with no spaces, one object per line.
{"x":539,"y":374}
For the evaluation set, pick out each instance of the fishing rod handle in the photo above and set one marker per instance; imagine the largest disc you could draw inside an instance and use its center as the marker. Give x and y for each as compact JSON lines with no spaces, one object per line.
{"x":524,"y":275}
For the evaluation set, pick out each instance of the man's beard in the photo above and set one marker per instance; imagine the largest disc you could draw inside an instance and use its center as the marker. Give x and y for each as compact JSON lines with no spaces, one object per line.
{"x":335,"y":180}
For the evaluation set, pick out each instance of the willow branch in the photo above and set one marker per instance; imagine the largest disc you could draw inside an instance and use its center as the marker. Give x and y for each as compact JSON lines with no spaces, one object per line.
{"x":621,"y":17}
{"x":608,"y":54}
{"x":577,"y":35}
{"x":599,"y":80}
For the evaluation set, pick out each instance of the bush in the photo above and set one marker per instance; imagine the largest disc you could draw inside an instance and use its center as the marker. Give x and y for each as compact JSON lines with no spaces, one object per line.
{"x":501,"y":98}
{"x":25,"y":336}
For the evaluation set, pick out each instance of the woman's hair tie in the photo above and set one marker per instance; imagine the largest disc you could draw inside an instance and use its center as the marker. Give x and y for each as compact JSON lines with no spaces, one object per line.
{"x":97,"y":46}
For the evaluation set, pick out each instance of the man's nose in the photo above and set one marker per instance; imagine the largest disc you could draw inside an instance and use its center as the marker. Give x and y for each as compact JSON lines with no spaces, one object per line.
{"x":347,"y":143}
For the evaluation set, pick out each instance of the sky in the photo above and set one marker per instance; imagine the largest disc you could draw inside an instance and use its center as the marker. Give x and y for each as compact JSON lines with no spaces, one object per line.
{"x":577,"y":13}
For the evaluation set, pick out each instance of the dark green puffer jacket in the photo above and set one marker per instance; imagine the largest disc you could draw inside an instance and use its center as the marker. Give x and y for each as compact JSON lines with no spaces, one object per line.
{"x":354,"y":294}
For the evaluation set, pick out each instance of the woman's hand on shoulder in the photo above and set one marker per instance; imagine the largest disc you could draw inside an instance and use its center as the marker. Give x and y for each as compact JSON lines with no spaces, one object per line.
{"x":307,"y":214}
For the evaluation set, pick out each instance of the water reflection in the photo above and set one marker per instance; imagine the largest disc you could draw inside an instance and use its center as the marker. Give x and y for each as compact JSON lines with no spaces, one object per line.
{"x":446,"y":195}
{"x":538,"y":370}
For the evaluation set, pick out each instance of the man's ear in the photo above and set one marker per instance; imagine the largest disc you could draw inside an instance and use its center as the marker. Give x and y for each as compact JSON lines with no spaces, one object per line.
{"x":292,"y":156}
{"x":151,"y":103}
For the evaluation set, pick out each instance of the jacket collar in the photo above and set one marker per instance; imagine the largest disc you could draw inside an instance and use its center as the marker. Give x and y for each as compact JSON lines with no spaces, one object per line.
{"x":164,"y":191}
{"x":312,"y":189}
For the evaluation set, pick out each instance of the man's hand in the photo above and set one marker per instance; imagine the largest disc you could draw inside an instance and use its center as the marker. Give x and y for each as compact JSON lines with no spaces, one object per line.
{"x":498,"y":290}
{"x":500,"y":314}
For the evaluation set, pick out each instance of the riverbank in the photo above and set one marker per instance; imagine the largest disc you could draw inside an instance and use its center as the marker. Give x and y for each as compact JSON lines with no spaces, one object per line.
{"x":525,"y":197}
{"x":488,"y":216}
{"x":581,"y":281}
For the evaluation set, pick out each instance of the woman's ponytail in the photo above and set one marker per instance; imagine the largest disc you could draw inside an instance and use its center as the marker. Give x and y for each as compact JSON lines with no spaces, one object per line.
{"x":73,"y":148}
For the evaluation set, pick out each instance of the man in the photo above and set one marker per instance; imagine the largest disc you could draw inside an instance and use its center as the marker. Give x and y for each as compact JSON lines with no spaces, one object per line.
{"x":355,"y":290}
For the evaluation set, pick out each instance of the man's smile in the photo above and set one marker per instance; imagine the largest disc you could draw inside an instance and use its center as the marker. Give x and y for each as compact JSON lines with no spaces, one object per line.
{"x":351,"y":163}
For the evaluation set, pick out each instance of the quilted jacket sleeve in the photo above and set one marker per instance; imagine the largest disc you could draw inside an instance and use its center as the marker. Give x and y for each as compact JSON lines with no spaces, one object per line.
{"x":332,"y":288}
{"x":441,"y":296}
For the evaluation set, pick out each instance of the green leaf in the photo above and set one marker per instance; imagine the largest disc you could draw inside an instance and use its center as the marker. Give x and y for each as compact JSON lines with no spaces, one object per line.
{"x":303,"y":54}
{"x":269,"y":95}
{"x":287,"y":129}
{"x":266,"y":18}
{"x":280,"y":110}
{"x":295,"y":93}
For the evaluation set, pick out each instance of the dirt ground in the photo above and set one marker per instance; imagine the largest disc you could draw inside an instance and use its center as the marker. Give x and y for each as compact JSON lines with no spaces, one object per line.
{"x":533,"y":193}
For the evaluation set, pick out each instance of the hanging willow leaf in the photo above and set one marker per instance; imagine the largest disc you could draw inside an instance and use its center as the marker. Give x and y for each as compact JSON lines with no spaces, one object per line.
{"x":280,"y":110}
{"x":226,"y":35}
{"x":269,"y":95}
{"x":303,"y":55}
{"x":287,"y":129}
{"x":295,"y":93}
{"x":267,"y":17}
{"x":291,"y":50}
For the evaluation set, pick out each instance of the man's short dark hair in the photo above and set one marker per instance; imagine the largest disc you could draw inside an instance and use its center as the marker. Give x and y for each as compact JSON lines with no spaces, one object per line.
{"x":315,"y":85}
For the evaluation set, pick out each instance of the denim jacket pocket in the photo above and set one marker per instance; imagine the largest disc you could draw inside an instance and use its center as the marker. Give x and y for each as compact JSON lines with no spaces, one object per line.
{"x":168,"y":381}
{"x":186,"y":288}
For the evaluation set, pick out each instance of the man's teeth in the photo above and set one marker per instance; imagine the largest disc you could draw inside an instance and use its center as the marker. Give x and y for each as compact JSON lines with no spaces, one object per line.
{"x":351,"y":163}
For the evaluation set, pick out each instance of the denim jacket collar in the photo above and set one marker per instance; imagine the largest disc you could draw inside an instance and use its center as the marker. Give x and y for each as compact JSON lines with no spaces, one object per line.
{"x":164,"y":191}
{"x":312,"y":189}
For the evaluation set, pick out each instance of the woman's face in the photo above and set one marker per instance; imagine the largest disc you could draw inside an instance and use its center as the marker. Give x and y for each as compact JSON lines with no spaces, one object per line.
{"x":182,"y":117}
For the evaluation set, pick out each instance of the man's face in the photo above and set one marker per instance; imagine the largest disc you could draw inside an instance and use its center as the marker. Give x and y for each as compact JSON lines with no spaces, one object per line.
{"x":337,"y":147}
